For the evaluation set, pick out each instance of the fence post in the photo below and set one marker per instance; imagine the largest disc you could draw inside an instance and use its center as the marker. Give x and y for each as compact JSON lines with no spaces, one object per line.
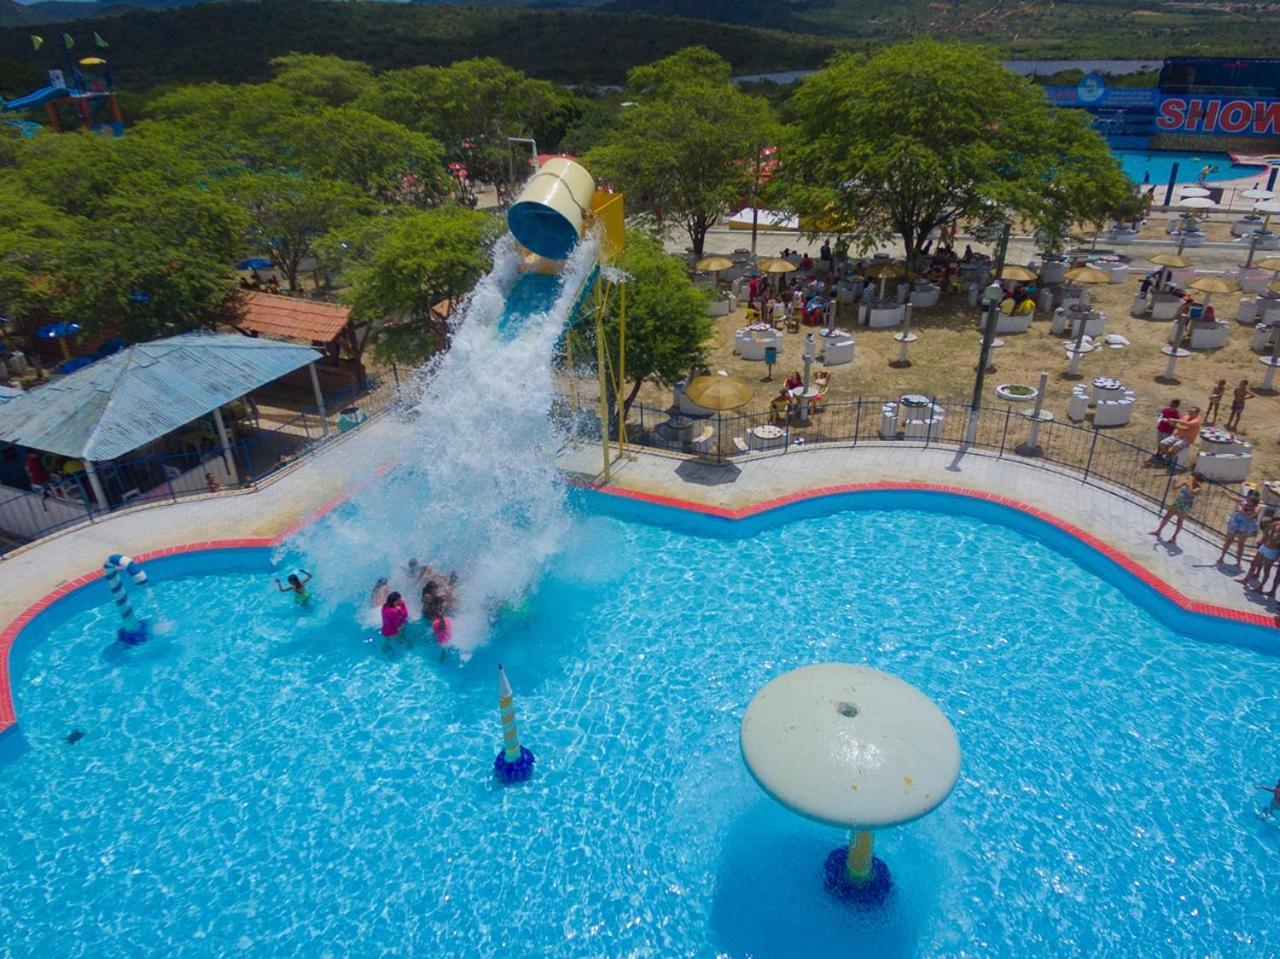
{"x":857,"y":421}
{"x":1004,"y":434}
{"x":1089,"y":462}
{"x":1168,"y":485}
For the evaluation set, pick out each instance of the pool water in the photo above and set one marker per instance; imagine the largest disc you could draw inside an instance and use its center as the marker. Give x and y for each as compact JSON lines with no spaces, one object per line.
{"x":1158,"y":165}
{"x":261,"y":778}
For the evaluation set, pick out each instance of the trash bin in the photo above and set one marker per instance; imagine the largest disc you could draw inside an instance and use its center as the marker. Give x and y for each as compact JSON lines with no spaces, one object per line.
{"x":350,"y":418}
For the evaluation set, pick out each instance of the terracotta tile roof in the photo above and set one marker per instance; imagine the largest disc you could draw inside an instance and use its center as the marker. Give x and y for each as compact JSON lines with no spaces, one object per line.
{"x":290,"y":317}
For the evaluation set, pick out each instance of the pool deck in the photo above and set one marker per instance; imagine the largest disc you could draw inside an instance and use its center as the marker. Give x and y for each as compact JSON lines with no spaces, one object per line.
{"x":35,"y":575}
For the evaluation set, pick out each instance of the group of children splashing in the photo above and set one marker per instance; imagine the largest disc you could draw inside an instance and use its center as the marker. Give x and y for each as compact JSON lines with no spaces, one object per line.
{"x":438,"y":597}
{"x":438,"y":594}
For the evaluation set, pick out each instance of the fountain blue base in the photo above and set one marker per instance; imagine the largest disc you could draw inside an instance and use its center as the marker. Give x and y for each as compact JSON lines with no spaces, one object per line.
{"x":514,"y":772}
{"x":871,"y":892}
{"x":132,"y":637}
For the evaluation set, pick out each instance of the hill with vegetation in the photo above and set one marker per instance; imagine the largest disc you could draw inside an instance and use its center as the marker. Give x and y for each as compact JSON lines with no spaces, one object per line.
{"x":236,"y":41}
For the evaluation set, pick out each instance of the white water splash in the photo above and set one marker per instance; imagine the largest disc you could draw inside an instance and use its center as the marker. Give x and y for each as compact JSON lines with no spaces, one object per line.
{"x":475,"y":488}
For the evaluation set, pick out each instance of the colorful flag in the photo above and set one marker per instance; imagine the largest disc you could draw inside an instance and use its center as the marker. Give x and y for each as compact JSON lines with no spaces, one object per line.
{"x":97,"y":39}
{"x":67,"y":41}
{"x":36,"y":42}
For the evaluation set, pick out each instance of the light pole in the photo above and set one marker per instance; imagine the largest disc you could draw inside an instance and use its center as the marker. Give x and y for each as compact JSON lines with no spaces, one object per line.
{"x":991,"y":297}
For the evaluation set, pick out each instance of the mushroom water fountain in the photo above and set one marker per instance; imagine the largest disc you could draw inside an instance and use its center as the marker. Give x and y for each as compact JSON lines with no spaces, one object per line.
{"x":853,"y":747}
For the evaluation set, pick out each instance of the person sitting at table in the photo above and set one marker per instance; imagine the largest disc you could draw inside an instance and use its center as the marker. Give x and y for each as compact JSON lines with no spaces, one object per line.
{"x":780,"y":407}
{"x":1026,"y":306}
{"x":1008,"y":304}
{"x":806,"y":263}
{"x":1207,"y":315}
{"x":793,"y":381}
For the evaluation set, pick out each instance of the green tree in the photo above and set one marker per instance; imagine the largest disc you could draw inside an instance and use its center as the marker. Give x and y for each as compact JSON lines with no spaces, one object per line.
{"x":424,"y":258}
{"x":471,"y":107}
{"x":158,"y":261}
{"x":34,"y":236}
{"x":684,"y":153}
{"x":331,"y":79}
{"x":923,"y":132}
{"x":666,"y":320}
{"x":286,"y":213}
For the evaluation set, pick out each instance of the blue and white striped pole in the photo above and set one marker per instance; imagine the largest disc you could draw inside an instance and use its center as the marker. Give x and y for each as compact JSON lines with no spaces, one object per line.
{"x":515,"y":762}
{"x":134,"y":630}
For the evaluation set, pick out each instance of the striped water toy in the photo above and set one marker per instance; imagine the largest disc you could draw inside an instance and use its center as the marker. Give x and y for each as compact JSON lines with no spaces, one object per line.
{"x":134,"y":630}
{"x":515,"y":763}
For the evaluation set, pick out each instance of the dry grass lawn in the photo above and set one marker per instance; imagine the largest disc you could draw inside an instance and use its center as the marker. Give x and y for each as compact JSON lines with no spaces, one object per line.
{"x":944,"y":357}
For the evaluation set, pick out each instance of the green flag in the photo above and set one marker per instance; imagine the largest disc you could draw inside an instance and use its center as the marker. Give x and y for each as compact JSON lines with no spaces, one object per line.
{"x":36,"y":42}
{"x":97,"y":39}
{"x":67,"y":41}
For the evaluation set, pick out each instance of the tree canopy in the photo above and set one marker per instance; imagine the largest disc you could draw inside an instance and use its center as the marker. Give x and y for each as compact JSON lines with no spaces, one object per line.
{"x":923,"y":132}
{"x":687,"y":148}
{"x":421,"y":259}
{"x":666,"y":318}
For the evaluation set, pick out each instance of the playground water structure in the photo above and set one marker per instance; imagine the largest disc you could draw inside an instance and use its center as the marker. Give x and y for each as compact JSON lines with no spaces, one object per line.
{"x":255,"y":777}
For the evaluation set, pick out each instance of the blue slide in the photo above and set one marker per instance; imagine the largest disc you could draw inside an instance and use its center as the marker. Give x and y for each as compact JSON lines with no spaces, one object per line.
{"x":37,"y":99}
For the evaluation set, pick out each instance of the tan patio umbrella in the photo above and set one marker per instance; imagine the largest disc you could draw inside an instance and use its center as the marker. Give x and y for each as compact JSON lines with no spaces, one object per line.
{"x":1088,"y":275}
{"x":776,"y":266}
{"x":720,"y":393}
{"x":1274,"y":286}
{"x":1019,"y":274}
{"x":1175,"y":260}
{"x":1209,"y":285}
{"x":884,"y":271}
{"x":713,"y":264}
{"x":1271,"y":263}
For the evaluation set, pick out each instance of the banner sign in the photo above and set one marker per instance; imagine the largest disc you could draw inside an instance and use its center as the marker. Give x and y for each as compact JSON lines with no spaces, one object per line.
{"x":1229,"y":116}
{"x":1111,"y":97}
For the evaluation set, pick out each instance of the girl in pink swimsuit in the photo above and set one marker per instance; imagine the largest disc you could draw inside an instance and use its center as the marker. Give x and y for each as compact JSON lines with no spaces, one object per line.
{"x":394,"y":615}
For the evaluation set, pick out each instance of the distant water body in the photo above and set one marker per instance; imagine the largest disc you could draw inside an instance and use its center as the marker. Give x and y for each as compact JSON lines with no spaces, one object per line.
{"x":1025,"y":67}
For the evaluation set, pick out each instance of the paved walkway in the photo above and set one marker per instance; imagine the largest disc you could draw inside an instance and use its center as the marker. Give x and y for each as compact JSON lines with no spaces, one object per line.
{"x":29,"y":574}
{"x":1112,"y":516}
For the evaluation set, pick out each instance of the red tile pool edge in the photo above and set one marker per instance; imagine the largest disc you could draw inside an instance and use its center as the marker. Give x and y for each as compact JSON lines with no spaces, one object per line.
{"x":8,"y":715}
{"x":1130,"y":566}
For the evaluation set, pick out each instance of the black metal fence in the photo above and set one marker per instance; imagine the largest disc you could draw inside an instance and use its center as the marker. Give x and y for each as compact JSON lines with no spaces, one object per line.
{"x":1091,"y":455}
{"x":203,"y":466}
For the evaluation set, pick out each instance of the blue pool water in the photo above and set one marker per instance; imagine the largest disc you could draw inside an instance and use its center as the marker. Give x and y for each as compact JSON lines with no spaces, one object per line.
{"x":1159,"y":164}
{"x":262,"y":780}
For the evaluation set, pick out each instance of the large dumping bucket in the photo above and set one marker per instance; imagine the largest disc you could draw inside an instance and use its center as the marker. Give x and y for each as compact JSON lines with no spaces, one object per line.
{"x":548,"y":216}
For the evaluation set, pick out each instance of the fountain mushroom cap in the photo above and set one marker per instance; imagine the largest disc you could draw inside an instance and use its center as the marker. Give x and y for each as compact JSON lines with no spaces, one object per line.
{"x":850,"y":746}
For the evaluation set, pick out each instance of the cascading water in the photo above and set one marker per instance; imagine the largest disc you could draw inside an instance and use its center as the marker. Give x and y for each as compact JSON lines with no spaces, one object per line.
{"x":474,"y":486}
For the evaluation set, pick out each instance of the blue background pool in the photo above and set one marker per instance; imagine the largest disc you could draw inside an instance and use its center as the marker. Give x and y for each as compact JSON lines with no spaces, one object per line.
{"x":263,"y":779}
{"x":1159,"y":164}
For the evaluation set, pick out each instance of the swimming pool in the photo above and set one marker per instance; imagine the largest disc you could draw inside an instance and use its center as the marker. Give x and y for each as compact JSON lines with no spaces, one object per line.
{"x":1158,"y":164}
{"x":261,"y":778}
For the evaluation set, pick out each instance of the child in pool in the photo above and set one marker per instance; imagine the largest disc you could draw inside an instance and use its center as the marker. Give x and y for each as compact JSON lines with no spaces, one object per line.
{"x":296,"y":586}
{"x":380,"y":592}
{"x":394,"y":615}
{"x":442,"y":626}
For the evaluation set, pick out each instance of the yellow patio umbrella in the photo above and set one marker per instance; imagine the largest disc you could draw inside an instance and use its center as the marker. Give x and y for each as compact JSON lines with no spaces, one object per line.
{"x":1019,"y":274}
{"x":776,"y":266}
{"x":1174,"y":260}
{"x":1274,"y":286}
{"x":719,"y":393}
{"x":92,"y":61}
{"x":1271,"y":263}
{"x":1088,"y":274}
{"x":713,"y":264}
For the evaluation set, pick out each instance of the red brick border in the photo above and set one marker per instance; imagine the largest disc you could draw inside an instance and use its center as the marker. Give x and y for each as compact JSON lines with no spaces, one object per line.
{"x":8,"y":715}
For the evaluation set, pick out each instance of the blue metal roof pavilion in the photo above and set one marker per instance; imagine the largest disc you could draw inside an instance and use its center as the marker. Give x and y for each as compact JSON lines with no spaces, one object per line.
{"x":139,"y":394}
